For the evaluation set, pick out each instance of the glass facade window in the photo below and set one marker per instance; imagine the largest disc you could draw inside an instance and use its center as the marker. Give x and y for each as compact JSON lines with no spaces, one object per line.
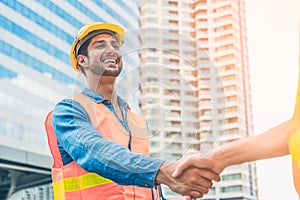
{"x":34,"y":39}
{"x":31,"y":15}
{"x":231,"y":177}
{"x":6,"y":73}
{"x":61,"y":13}
{"x":235,"y":188}
{"x":34,"y":63}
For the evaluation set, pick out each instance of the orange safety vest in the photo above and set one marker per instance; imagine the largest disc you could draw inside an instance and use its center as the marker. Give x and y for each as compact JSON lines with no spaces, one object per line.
{"x":72,"y":182}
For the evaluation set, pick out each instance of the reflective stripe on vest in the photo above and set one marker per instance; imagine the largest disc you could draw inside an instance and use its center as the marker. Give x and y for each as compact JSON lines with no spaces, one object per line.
{"x":81,"y":182}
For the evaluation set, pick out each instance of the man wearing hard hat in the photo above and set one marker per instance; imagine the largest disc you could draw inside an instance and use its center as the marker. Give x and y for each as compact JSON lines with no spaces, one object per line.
{"x":99,"y":146}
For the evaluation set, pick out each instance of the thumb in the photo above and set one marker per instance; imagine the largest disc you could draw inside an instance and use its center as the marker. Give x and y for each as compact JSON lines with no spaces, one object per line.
{"x":176,"y":173}
{"x":182,"y":165}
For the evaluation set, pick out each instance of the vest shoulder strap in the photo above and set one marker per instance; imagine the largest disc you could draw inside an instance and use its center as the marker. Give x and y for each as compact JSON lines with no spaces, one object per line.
{"x":88,"y":105}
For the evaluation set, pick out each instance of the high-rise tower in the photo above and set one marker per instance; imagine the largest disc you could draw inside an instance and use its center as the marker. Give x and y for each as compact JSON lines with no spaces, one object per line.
{"x":196,"y":83}
{"x":221,"y":31}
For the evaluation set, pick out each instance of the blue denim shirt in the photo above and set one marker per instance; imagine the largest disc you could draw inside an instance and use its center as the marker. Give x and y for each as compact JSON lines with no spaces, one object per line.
{"x":79,"y":141}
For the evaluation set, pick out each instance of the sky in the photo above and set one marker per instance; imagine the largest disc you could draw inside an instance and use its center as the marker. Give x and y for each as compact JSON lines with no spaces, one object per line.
{"x":273,"y":42}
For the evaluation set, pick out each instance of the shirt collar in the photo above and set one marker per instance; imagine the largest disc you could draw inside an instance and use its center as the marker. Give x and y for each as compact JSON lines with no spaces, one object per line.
{"x":99,"y":99}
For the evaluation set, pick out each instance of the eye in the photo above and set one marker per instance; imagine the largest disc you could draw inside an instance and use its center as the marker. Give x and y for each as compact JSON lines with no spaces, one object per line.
{"x":115,"y":45}
{"x":100,"y":45}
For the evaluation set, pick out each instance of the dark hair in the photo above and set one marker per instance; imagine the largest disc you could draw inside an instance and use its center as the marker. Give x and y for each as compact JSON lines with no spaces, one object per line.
{"x":83,"y":51}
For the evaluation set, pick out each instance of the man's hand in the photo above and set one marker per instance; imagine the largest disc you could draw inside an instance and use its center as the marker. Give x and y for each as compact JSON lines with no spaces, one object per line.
{"x":193,"y":181}
{"x":194,"y":159}
{"x":210,"y":163}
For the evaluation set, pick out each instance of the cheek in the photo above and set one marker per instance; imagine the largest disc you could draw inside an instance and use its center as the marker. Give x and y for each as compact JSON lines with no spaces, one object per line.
{"x":119,"y":55}
{"x":120,"y":62}
{"x":94,"y":56}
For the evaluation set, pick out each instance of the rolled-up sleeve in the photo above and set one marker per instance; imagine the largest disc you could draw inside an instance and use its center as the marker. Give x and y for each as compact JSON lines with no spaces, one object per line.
{"x":83,"y":144}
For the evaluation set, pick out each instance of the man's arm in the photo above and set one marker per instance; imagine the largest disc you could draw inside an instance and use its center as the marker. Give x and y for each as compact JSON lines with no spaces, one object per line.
{"x":82,"y":142}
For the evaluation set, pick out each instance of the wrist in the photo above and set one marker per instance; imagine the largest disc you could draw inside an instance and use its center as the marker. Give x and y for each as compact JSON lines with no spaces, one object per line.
{"x":163,"y":175}
{"x":218,"y":156}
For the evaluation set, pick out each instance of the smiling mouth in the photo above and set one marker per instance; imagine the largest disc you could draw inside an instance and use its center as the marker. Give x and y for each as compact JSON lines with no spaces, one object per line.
{"x":110,"y":61}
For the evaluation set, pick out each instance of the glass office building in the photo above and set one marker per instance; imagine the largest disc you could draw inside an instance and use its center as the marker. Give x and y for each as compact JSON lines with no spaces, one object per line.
{"x":35,"y":69}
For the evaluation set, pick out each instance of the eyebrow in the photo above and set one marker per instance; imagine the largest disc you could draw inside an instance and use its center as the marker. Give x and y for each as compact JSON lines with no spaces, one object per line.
{"x":104,"y":40}
{"x":98,"y":41}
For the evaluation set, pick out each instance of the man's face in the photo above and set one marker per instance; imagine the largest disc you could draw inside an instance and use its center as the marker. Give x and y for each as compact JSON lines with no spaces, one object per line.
{"x":104,"y":55}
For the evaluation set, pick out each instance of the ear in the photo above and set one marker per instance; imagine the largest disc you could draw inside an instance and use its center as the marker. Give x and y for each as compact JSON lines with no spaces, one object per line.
{"x":82,"y":61}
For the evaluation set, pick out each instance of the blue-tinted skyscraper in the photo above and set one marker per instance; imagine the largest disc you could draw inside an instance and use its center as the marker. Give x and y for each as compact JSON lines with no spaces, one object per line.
{"x":35,"y":69}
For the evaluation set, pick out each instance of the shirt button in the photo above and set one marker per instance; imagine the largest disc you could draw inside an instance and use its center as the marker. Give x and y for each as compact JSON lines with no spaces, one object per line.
{"x":146,"y":185}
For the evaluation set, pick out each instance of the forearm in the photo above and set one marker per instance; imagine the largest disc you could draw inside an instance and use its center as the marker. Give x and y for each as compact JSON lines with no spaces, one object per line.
{"x":121,"y":165}
{"x":272,"y":143}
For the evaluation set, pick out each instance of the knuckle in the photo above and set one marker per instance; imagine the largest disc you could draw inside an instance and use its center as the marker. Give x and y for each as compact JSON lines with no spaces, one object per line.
{"x":194,"y":179}
{"x":205,"y":191}
{"x":183,"y":189}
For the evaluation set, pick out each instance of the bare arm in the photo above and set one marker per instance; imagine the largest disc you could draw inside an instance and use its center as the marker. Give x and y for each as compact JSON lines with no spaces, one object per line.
{"x":272,"y":143}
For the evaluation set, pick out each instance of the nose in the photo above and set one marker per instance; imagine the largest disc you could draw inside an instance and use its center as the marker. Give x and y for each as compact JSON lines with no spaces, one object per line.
{"x":112,"y":51}
{"x":110,"y":48}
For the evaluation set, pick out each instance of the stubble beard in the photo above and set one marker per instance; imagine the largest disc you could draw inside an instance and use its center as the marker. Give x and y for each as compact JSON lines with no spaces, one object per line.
{"x":103,"y":70}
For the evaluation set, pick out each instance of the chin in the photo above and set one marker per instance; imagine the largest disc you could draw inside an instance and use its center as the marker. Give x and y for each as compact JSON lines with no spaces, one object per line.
{"x":111,"y":73}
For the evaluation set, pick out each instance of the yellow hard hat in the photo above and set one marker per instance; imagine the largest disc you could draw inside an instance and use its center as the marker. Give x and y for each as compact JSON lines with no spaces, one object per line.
{"x":85,"y":30}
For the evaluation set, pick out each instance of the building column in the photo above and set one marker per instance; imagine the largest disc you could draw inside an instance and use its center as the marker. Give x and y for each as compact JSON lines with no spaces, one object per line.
{"x":14,"y":176}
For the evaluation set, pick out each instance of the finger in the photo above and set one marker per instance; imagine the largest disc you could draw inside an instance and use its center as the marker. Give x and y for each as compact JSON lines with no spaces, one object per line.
{"x":208,"y":174}
{"x":203,"y":182}
{"x":199,"y":184}
{"x":196,"y":194}
{"x":198,"y":180}
{"x":193,"y":187}
{"x":188,"y":197}
{"x":213,"y":176}
{"x":203,"y":190}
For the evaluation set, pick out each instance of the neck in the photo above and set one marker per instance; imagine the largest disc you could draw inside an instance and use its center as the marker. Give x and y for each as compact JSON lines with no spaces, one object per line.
{"x":104,"y":86}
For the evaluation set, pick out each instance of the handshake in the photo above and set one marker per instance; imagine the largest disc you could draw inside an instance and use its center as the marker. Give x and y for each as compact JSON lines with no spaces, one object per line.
{"x":192,"y":175}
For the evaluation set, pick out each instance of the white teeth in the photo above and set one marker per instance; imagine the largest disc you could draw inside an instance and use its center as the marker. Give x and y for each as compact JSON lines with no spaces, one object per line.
{"x":110,"y":60}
